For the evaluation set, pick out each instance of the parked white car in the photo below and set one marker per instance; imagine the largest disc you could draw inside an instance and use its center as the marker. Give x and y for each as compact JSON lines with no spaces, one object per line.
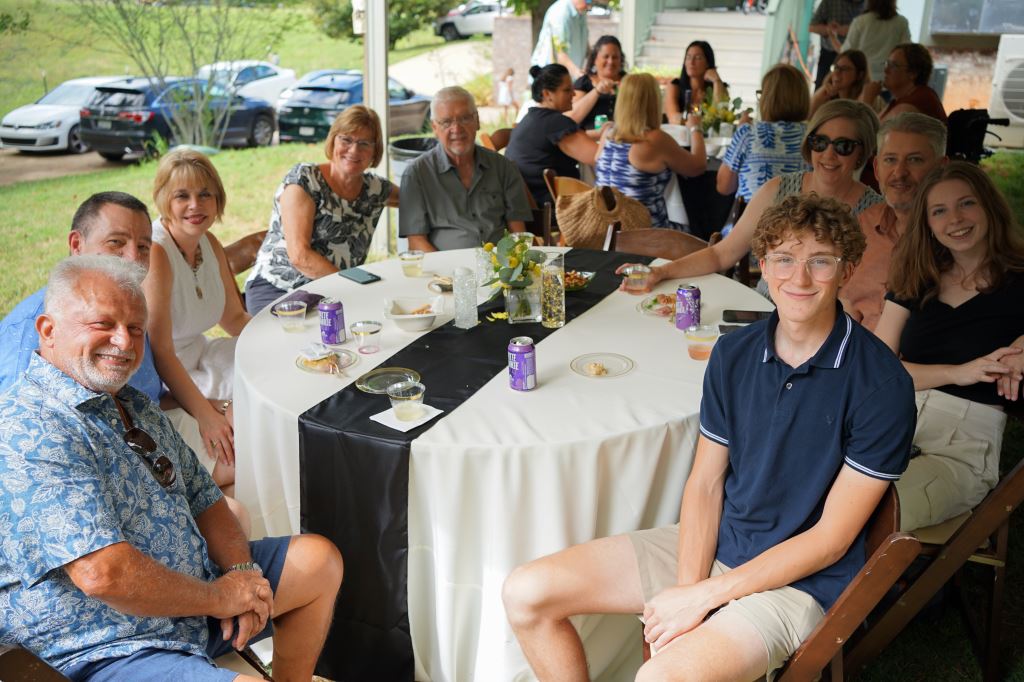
{"x":469,"y":19}
{"x":51,"y":123}
{"x":249,"y":78}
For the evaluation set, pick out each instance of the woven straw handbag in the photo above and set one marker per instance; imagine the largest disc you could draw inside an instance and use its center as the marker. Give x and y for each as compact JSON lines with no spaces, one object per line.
{"x":584,"y":218}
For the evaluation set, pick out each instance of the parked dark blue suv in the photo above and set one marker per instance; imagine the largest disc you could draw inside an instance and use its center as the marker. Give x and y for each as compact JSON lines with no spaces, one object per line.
{"x":125,"y":116}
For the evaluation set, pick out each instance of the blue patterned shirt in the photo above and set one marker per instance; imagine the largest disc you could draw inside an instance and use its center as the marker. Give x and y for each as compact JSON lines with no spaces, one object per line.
{"x":763,"y":150}
{"x":19,"y":341}
{"x":69,"y":486}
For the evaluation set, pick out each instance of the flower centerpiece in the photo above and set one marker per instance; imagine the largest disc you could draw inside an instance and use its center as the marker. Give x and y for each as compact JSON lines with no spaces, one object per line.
{"x":516,"y":272}
{"x":714,"y":114}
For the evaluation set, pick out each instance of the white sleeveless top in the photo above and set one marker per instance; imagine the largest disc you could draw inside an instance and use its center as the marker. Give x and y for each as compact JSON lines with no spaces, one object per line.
{"x":210,"y":362}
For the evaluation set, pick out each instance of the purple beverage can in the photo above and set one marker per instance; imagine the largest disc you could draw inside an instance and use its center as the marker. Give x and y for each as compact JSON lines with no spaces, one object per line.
{"x":522,"y":364}
{"x":687,"y":306}
{"x":332,"y":321}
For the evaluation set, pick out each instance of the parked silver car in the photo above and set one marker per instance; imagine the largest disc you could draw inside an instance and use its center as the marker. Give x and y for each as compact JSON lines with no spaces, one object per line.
{"x":469,"y":19}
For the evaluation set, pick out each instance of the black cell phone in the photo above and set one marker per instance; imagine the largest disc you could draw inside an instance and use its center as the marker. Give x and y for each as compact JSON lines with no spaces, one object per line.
{"x":359,"y":276}
{"x":745,"y":316}
{"x":724,"y":329}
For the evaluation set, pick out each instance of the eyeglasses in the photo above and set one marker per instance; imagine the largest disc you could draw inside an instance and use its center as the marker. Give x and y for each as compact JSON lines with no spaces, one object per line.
{"x":890,"y":64}
{"x":462,"y":121}
{"x":362,"y":145}
{"x":844,"y":146}
{"x":820,"y":268}
{"x":142,"y":444}
{"x":835,"y":68}
{"x":696,"y":57}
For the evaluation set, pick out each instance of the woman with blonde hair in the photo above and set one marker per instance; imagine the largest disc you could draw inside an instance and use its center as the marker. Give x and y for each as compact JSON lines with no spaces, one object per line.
{"x":770,"y":146}
{"x":324,"y":214}
{"x":953,"y":313}
{"x":189,"y":289}
{"x":637,"y":157}
{"x":840,"y":139}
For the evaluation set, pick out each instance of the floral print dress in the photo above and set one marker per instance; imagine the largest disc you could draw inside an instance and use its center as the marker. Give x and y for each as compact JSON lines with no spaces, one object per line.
{"x":342,"y":229}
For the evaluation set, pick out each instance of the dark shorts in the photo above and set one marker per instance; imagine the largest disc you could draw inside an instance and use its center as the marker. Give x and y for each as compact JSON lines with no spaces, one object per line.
{"x":259,"y":293}
{"x":164,"y":665}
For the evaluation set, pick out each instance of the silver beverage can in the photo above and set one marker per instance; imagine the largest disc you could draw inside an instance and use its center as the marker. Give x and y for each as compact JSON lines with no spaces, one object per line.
{"x":687,"y":306}
{"x":522,"y":364}
{"x":332,"y":321}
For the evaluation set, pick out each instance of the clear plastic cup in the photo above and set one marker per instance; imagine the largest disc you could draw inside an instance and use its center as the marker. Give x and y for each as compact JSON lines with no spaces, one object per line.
{"x":636,"y":277}
{"x":292,"y":315}
{"x":365,"y":333}
{"x":412,"y":263}
{"x":407,"y":400}
{"x":700,"y":340}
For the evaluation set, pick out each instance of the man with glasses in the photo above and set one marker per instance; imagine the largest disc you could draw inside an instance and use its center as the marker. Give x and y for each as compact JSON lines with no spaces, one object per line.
{"x":120,"y":559}
{"x":459,"y":195}
{"x":805,"y":420}
{"x":832,"y":22}
{"x":910,"y":146}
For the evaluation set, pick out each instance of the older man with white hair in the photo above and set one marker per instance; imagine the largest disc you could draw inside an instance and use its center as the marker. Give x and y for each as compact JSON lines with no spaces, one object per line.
{"x":120,"y":559}
{"x":459,"y":195}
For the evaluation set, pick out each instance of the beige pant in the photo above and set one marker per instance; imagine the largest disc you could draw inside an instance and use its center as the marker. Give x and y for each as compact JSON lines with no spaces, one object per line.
{"x":960,"y":441}
{"x":784,"y":617}
{"x":188,"y":428}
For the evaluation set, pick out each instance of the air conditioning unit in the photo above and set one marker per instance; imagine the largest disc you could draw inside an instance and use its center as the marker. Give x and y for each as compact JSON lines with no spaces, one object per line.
{"x":1008,"y":92}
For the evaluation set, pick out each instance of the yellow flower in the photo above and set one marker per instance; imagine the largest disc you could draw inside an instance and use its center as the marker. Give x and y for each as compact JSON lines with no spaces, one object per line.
{"x":513,"y":261}
{"x":494,"y":317}
{"x":494,"y":259}
{"x":489,"y":246}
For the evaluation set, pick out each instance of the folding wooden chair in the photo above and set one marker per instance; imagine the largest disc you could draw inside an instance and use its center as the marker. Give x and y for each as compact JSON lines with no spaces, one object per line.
{"x":486,"y":141}
{"x":241,"y":255}
{"x":657,"y":242}
{"x":561,"y":184}
{"x":540,"y":225}
{"x":979,"y":537}
{"x":500,"y":138}
{"x":18,"y":663}
{"x":889,"y":553}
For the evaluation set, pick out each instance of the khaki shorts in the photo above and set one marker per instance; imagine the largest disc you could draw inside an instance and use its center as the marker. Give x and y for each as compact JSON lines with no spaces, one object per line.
{"x":960,"y":442}
{"x":784,"y":617}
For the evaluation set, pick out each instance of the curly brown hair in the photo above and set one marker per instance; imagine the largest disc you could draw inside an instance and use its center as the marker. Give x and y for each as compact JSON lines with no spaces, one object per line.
{"x":919,"y":259}
{"x":829,"y":220}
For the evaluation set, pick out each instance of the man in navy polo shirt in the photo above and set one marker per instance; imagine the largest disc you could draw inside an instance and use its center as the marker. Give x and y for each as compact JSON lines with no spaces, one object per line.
{"x":805,"y":420}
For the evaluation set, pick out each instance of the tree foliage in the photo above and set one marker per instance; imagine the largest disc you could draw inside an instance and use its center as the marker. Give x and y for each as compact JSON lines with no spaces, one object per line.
{"x":12,"y":24}
{"x":175,"y":40}
{"x":334,"y":17}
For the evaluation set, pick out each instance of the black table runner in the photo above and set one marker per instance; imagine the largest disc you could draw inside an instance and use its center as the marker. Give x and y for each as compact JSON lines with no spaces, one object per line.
{"x":354,"y":475}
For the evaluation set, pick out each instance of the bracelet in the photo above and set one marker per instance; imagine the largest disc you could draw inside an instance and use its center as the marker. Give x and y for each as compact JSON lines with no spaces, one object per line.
{"x":696,"y":129}
{"x":246,"y":566}
{"x":224,"y":406}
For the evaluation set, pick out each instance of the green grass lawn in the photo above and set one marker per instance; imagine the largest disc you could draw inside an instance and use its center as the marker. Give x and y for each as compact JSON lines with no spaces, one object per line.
{"x":57,"y":44}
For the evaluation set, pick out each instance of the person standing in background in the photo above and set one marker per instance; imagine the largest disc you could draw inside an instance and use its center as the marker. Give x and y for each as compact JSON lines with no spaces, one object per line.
{"x":564,"y":36}
{"x":877,"y":32}
{"x":832,"y":22}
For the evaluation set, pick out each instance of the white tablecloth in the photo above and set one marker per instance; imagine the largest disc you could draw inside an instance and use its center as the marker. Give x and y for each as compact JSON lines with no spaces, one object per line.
{"x":507,"y":476}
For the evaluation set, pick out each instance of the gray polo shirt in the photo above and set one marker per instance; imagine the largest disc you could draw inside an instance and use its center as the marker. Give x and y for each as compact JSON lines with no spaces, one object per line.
{"x":434,"y":201}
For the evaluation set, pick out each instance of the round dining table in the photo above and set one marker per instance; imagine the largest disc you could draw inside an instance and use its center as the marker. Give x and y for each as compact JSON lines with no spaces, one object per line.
{"x":506,"y":476}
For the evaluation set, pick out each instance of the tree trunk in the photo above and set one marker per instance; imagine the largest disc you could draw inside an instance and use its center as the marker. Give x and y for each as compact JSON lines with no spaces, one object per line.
{"x":537,"y":17}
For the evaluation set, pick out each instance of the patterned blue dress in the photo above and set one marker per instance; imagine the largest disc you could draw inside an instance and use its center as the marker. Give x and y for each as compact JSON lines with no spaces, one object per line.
{"x":615,"y":170}
{"x":761,"y":151}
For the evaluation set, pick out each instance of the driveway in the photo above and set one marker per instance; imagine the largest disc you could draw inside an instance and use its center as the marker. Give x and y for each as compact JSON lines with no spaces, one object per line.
{"x":18,"y":167}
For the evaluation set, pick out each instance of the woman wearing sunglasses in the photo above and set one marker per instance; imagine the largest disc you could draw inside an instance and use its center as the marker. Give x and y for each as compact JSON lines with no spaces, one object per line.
{"x":840,"y":139}
{"x":953,"y":314}
{"x":324,"y":213}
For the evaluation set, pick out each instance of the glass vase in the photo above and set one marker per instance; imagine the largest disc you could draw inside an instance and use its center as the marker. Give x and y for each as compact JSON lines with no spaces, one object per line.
{"x":523,"y":303}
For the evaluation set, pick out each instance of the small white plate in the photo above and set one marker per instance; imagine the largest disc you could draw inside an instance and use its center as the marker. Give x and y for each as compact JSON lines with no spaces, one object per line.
{"x":346,"y":359}
{"x":615,"y":365}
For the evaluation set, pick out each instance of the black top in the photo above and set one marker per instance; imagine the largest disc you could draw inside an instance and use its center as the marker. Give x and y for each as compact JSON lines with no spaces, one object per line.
{"x":684,"y":87}
{"x":605,"y":105}
{"x":939,"y":334}
{"x":534,"y":147}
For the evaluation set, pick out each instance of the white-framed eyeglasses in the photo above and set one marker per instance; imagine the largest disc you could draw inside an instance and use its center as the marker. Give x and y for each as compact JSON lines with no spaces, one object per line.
{"x":821,"y":268}
{"x":362,"y":145}
{"x":463,"y":121}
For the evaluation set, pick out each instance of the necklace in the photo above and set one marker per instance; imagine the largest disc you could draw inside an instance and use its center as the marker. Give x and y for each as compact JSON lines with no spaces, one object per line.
{"x":195,"y":268}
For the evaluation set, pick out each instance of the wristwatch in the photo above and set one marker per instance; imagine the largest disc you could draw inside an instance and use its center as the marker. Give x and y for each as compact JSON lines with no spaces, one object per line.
{"x":695,"y":129}
{"x":247,"y":566}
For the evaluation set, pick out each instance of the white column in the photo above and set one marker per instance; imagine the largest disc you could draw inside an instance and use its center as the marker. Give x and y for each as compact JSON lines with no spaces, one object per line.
{"x":375,"y":96}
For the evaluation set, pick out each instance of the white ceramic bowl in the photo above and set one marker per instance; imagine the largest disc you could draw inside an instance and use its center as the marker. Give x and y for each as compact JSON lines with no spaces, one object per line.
{"x":399,"y":310}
